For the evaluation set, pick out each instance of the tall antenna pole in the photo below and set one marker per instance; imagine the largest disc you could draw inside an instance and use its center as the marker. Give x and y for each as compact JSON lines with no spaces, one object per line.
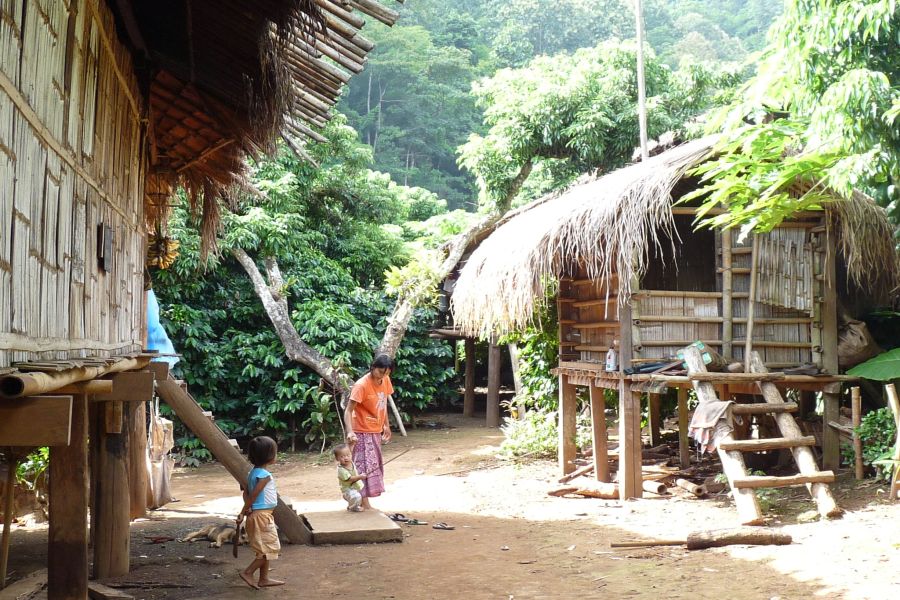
{"x":642,"y":94}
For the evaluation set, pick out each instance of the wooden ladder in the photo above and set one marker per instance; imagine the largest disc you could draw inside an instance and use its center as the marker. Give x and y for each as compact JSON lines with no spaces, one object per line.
{"x":729,"y":449}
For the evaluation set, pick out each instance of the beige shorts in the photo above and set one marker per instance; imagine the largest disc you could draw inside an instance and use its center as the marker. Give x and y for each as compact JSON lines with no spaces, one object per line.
{"x":263,"y":534}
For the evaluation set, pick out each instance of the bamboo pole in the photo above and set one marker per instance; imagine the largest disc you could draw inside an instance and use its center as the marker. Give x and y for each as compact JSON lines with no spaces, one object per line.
{"x":727,"y":289}
{"x":856,"y":403}
{"x":469,"y":394}
{"x":18,"y":385}
{"x":642,"y":91}
{"x":751,"y":301}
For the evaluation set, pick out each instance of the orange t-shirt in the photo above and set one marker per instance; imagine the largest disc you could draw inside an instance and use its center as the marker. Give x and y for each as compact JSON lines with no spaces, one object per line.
{"x":370,"y":404}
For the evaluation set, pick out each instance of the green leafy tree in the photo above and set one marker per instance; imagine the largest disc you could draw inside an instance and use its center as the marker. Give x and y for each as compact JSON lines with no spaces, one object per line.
{"x":579,"y":110}
{"x":823,"y":108}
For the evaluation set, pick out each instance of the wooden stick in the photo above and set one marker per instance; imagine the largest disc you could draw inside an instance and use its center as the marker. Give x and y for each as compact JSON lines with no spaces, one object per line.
{"x":700,"y":540}
{"x":7,"y":516}
{"x":748,"y":343}
{"x":397,"y":417}
{"x":856,"y":404}
{"x":576,"y":473}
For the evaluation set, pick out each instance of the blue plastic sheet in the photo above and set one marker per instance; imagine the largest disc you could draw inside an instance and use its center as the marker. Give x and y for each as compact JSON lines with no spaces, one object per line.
{"x":157,"y":338}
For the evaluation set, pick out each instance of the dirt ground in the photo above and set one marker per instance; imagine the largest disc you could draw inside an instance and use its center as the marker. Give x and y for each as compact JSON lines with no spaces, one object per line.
{"x":511,"y":540}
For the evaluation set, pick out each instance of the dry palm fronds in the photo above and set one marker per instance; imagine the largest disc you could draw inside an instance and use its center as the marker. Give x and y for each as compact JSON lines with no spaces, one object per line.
{"x":606,"y":223}
{"x":609,"y":224}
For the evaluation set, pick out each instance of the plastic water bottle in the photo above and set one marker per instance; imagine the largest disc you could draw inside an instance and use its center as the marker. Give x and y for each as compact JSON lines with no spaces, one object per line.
{"x":612,"y":358}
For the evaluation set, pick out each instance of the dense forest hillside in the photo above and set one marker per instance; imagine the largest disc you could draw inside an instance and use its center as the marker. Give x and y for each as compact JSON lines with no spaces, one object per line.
{"x":412,"y":103}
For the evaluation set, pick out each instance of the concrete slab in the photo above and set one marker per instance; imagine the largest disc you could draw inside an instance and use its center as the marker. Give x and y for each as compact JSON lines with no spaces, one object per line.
{"x":343,"y":527}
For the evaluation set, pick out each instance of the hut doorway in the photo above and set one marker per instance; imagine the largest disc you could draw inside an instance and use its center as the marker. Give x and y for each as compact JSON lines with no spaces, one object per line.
{"x":685,"y":262}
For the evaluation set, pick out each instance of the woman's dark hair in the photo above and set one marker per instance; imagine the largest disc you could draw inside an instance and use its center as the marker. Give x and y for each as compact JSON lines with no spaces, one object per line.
{"x":262,"y":450}
{"x":382,"y":361}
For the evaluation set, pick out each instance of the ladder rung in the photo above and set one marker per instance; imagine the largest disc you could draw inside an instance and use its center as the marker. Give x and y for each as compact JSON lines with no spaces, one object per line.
{"x":763,"y":408}
{"x":767,"y":444}
{"x":595,"y":302}
{"x":760,"y":481}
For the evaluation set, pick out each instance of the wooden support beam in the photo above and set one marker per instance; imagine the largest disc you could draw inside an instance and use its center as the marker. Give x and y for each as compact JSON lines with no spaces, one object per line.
{"x":130,"y":386}
{"x":36,"y":421}
{"x":95,"y":386}
{"x":492,"y":409}
{"x":136,"y":463}
{"x":630,"y":478}
{"x":567,"y":410}
{"x":856,"y":412}
{"x":187,"y":409}
{"x":67,"y":538}
{"x":654,"y":423}
{"x":9,"y":496}
{"x":598,"y":431}
{"x":727,"y":288}
{"x":111,"y":508}
{"x":469,"y":394}
{"x":684,"y":447}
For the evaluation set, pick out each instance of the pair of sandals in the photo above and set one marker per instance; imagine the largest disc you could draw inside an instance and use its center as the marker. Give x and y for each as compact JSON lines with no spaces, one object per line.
{"x":401,"y":518}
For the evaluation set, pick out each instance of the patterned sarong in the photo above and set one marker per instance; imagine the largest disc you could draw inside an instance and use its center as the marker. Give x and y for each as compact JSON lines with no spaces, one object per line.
{"x":367,"y":458}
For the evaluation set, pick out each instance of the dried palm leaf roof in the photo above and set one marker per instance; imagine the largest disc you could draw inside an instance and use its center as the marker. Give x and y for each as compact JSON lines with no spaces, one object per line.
{"x":608,"y":224}
{"x":224,"y":78}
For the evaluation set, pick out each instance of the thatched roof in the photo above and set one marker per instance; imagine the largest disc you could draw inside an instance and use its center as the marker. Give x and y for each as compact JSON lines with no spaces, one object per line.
{"x":225,"y":78}
{"x":609,"y":224}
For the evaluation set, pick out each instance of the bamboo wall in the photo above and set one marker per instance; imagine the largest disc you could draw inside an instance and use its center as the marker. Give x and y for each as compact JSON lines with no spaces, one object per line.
{"x":673,"y":307}
{"x":70,"y":161}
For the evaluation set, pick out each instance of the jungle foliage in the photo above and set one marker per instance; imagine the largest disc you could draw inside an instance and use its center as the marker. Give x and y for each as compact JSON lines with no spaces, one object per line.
{"x":335,"y":230}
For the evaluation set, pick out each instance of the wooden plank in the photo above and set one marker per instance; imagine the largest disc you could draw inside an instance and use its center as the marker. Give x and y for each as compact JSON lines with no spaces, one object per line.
{"x":567,"y":415}
{"x":187,"y":409}
{"x":598,"y":433}
{"x":760,"y":481}
{"x":36,"y":421}
{"x":98,"y":591}
{"x":803,"y":456}
{"x":630,"y":478}
{"x":762,"y":445}
{"x":67,"y":557}
{"x":134,"y":386}
{"x":342,"y":527}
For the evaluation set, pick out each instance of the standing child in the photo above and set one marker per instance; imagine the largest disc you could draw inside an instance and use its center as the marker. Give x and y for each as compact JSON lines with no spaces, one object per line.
{"x":350,"y":480}
{"x":260,"y":499}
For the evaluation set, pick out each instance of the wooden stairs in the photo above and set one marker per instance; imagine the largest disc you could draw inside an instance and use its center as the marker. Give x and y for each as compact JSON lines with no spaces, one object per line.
{"x":729,"y":449}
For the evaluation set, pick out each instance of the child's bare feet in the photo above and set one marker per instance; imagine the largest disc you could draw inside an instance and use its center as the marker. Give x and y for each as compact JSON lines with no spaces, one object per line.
{"x":248,"y":579}
{"x":270,"y":583}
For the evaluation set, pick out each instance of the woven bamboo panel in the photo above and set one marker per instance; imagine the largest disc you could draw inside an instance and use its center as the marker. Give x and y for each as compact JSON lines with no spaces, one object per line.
{"x":70,"y":161}
{"x":652,"y":332}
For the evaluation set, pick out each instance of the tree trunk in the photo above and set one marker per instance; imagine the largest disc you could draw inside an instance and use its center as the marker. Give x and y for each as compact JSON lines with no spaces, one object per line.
{"x":275,"y":305}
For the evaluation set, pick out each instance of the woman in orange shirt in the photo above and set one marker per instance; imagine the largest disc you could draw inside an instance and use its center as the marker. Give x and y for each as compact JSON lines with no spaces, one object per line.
{"x":367,"y":423}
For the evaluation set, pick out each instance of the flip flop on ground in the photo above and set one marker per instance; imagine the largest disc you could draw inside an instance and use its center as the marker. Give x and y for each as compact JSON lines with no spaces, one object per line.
{"x":399,"y":517}
{"x":416,"y":522}
{"x":442,"y":525}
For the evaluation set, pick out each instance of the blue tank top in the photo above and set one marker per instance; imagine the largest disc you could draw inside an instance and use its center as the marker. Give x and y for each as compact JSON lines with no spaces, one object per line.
{"x":268,"y":497}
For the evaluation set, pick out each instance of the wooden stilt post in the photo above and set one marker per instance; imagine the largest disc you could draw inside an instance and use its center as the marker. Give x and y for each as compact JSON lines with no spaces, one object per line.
{"x":9,"y":491}
{"x":469,"y":395}
{"x":598,"y":428}
{"x":684,"y":448}
{"x":67,"y":539}
{"x":492,"y":410}
{"x":136,"y":425}
{"x":567,"y":409}
{"x":110,"y":517}
{"x":831,"y":450}
{"x":751,"y":301}
{"x":831,"y":440}
{"x":856,"y":408}
{"x":653,"y":424}
{"x":630,"y":477}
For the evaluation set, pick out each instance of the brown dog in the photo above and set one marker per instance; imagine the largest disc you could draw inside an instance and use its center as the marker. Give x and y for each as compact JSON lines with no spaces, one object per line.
{"x":217,"y":535}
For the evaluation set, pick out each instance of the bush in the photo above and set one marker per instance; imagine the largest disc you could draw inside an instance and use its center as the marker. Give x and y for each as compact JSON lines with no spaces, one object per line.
{"x":537,"y":434}
{"x":878,"y":432}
